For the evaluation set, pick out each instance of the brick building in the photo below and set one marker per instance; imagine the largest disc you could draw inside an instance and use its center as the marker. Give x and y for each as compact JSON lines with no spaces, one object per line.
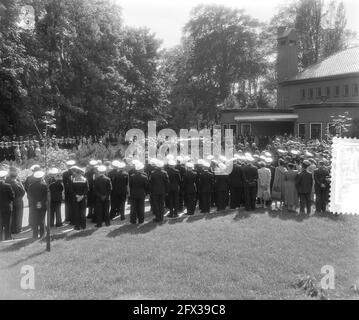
{"x":306,"y":100}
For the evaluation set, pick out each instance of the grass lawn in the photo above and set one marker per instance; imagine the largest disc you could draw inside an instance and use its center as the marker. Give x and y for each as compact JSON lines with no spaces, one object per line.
{"x":228,"y":255}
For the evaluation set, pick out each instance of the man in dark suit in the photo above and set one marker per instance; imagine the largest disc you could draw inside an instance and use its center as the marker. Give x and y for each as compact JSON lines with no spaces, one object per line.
{"x":138,"y":189}
{"x":37,"y":194}
{"x":102,"y":189}
{"x":236,"y":186}
{"x":221,"y":187}
{"x":119,"y":180}
{"x":205,"y":187}
{"x":159,"y":187}
{"x":189,"y":187}
{"x":6,"y":197}
{"x":250,"y":175}
{"x":304,"y":183}
{"x":321,"y":178}
{"x":174,"y":188}
{"x":182,"y":170}
{"x":91,"y":198}
{"x":66,"y":180}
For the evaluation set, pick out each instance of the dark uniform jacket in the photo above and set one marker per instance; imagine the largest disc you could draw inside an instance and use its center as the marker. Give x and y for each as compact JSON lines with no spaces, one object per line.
{"x":17,"y":187}
{"x":174,"y":179}
{"x":250,"y":174}
{"x":304,"y":182}
{"x":190,"y":180}
{"x":236,"y":179}
{"x":205,"y":181}
{"x":6,"y":196}
{"x":102,"y":187}
{"x":221,"y":183}
{"x":56,"y":188}
{"x":159,"y":182}
{"x":38,"y":193}
{"x":66,"y":179}
{"x":138,"y":185}
{"x":321,"y":176}
{"x":119,"y":183}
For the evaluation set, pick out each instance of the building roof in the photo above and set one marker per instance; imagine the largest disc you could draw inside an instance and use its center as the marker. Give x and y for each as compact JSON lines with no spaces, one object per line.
{"x":343,"y":62}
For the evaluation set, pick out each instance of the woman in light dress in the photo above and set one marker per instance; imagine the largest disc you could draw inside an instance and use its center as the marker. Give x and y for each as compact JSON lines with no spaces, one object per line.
{"x":290,"y":190}
{"x":264,"y":177}
{"x":278,"y":184}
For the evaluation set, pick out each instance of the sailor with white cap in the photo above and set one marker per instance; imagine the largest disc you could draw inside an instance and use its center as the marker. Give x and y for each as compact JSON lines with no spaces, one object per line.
{"x":66,"y":179}
{"x":6,"y":197}
{"x":174,"y":177}
{"x":182,"y":169}
{"x":221,"y":187}
{"x":56,"y":188}
{"x":159,"y":187}
{"x":138,"y":184}
{"x":190,"y":188}
{"x":37,"y":194}
{"x":205,"y":187}
{"x":119,"y":179}
{"x":90,"y":176}
{"x":102,"y":189}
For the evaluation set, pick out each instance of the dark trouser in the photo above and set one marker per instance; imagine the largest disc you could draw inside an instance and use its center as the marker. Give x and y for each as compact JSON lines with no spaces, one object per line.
{"x":190,"y":202}
{"x":16,"y":218}
{"x":38,"y":222}
{"x":221,"y":200}
{"x":158,"y":201}
{"x":118,"y":202}
{"x":250,"y":194}
{"x":237,"y":197}
{"x":137,"y":210}
{"x":55,"y":212}
{"x":180,"y":201}
{"x":205,"y":199}
{"x":173,"y":199}
{"x":102,"y":212}
{"x":5,"y":221}
{"x":79,"y":212}
{"x":68,"y":210}
{"x":320,"y":199}
{"x":304,"y":201}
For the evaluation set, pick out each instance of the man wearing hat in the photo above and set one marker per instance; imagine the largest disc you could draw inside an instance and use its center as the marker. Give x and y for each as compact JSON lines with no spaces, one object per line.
{"x":159,"y":187}
{"x":304,"y":182}
{"x":138,"y":184}
{"x":221,"y":187}
{"x":66,"y":180}
{"x":321,"y":178}
{"x":174,"y":188}
{"x":90,"y":176}
{"x":28,"y":181}
{"x":6,"y":197}
{"x":189,"y":186}
{"x":102,"y":188}
{"x":37,"y":194}
{"x":119,"y":180}
{"x":182,"y":169}
{"x":18,"y":203}
{"x":56,"y":188}
{"x":250,"y":175}
{"x":205,"y":187}
{"x":236,"y":185}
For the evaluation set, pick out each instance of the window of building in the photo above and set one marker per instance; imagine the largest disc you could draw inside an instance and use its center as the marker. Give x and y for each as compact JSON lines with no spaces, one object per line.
{"x":336,"y":91}
{"x":346,"y":90}
{"x":246,"y":129}
{"x":316,"y":131}
{"x":302,"y":94}
{"x":355,"y":90}
{"x":319,"y":92}
{"x":311,"y":93}
{"x":327,"y":92}
{"x":301,"y":130}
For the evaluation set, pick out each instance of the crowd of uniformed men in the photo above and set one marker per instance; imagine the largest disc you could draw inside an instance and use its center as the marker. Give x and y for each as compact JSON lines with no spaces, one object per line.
{"x":100,"y":191}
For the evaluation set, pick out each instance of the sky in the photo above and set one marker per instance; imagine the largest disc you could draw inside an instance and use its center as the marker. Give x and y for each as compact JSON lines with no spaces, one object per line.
{"x":166,"y":18}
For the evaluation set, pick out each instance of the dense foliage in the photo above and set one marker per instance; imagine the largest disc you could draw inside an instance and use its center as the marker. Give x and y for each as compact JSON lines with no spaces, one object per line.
{"x":79,"y":59}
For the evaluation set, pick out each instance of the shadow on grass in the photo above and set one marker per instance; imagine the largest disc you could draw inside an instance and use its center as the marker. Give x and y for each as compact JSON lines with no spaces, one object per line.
{"x":22,"y":260}
{"x":133,"y":229}
{"x":241,"y":215}
{"x":18,"y":245}
{"x":331,"y":216}
{"x":71,"y":235}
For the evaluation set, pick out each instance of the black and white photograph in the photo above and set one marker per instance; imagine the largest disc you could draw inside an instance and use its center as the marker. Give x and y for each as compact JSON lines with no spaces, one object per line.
{"x":190,"y":152}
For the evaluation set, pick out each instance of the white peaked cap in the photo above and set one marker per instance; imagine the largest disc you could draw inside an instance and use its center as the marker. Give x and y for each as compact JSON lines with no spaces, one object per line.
{"x":186,"y":158}
{"x":35,"y":166}
{"x":268,"y":160}
{"x":267,"y":154}
{"x":209,"y":157}
{"x":70,"y":162}
{"x":159,"y":163}
{"x":189,"y":165}
{"x":222,"y":158}
{"x":115,"y":163}
{"x":101,"y":169}
{"x":121,"y":165}
{"x":39,"y":174}
{"x":200,"y":161}
{"x":170,"y":156}
{"x":180,"y":159}
{"x":93,"y":162}
{"x":206,"y":164}
{"x":139,"y":166}
{"x":54,"y":171}
{"x":3,"y":173}
{"x":172,"y":162}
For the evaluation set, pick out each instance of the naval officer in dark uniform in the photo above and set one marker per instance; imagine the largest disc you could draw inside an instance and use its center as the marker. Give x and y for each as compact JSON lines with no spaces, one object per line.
{"x":138,"y":189}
